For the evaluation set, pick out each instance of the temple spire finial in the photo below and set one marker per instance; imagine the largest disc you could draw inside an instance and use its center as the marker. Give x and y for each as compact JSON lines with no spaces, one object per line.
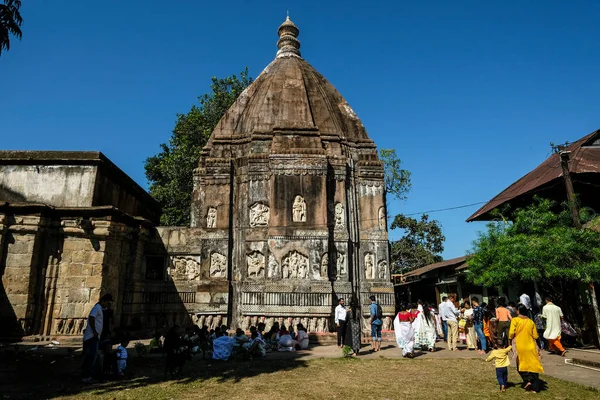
{"x":288,"y":43}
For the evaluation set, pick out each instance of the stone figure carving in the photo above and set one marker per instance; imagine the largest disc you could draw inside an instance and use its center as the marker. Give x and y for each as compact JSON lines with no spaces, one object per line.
{"x":382,"y":269}
{"x":369,"y":266}
{"x":339,"y":215}
{"x":295,"y":266}
{"x":185,"y":268}
{"x":273,"y":271}
{"x":382,"y":219}
{"x":299,"y":210}
{"x":325,"y":266}
{"x":211,"y":217}
{"x":256,"y":264}
{"x":341,"y":265}
{"x":218,"y":265}
{"x":259,"y":215}
{"x":316,"y":272}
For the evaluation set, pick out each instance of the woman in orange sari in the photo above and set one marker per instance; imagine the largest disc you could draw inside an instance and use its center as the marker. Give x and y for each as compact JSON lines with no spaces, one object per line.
{"x":524,"y":335}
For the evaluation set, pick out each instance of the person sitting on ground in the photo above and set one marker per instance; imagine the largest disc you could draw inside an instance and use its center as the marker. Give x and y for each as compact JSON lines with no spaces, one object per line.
{"x":301,"y":338}
{"x":240,"y":337}
{"x":500,"y":355}
{"x":222,"y":346}
{"x":285,"y":342}
{"x":121,"y":355}
{"x":256,"y":346}
{"x":260,"y":328}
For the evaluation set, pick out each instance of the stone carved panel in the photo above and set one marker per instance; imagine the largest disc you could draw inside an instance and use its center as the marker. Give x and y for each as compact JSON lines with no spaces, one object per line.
{"x":211,"y":217}
{"x":295,"y":266}
{"x":256,"y":264}
{"x":325,"y":266}
{"x":218,"y":265}
{"x":299,"y":209}
{"x":382,"y":219}
{"x":369,"y":266}
{"x":341,"y":265}
{"x":340,"y":217}
{"x":185,"y":268}
{"x":382,"y":269}
{"x":273,"y":271}
{"x":259,"y":215}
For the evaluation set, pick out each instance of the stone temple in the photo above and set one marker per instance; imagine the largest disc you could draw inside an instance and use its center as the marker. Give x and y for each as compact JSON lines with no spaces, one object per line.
{"x":288,"y":214}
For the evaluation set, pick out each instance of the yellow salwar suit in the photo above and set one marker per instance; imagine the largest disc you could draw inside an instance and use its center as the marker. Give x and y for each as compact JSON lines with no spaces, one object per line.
{"x":524,"y":333}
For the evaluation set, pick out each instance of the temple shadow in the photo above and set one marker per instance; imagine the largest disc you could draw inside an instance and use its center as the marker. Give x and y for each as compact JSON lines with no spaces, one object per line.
{"x":40,"y":373}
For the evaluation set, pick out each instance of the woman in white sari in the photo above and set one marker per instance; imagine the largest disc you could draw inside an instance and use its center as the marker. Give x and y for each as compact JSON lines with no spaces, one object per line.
{"x":405,"y":334}
{"x":426,"y":336}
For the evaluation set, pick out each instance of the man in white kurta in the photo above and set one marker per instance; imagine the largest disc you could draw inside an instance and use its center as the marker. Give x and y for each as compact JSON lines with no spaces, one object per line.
{"x":553,"y":315}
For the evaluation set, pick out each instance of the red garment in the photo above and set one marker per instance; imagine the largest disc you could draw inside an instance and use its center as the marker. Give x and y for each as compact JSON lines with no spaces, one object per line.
{"x":414,"y":313}
{"x":404,"y":316}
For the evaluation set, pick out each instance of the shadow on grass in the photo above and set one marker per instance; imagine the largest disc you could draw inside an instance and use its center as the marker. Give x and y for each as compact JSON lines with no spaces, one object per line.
{"x":49,"y":373}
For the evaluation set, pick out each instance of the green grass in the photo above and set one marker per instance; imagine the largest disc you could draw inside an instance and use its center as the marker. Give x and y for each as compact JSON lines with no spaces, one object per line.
{"x":382,"y":378}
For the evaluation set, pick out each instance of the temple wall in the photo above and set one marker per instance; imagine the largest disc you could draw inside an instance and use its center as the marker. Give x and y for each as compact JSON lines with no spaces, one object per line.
{"x":58,"y":185}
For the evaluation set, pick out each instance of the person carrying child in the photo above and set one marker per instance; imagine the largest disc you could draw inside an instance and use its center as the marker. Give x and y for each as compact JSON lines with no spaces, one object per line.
{"x":500,"y":355}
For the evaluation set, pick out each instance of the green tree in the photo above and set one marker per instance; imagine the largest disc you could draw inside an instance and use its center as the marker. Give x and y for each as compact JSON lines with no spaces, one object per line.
{"x":537,"y":244}
{"x":10,"y":23}
{"x":170,"y":172}
{"x":421,"y":244}
{"x":423,"y":240}
{"x":397,"y":180}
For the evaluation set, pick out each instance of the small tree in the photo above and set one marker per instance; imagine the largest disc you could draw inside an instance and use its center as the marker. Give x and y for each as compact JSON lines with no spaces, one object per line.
{"x":171,"y":171}
{"x":423,"y":240}
{"x":421,"y":245}
{"x":397,"y":180}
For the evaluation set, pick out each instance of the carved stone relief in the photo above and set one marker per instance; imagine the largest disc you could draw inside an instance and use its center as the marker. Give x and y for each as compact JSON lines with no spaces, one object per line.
{"x":299,"y":210}
{"x":218,"y":265}
{"x":259,"y":215}
{"x":273,"y":271}
{"x":185,"y":268}
{"x":369,"y":266}
{"x":382,"y":219}
{"x":211,"y":217}
{"x":256,"y":264}
{"x":295,"y":266}
{"x":325,"y":266}
{"x":339,"y":215}
{"x":341,"y":265}
{"x":382,"y":270}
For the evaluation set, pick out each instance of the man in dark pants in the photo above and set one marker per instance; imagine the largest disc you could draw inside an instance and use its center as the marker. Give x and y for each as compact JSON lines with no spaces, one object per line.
{"x":340,"y":322}
{"x":91,"y":336}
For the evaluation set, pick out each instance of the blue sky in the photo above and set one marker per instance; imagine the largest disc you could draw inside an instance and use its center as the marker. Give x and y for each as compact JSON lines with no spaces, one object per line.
{"x":469,"y":93}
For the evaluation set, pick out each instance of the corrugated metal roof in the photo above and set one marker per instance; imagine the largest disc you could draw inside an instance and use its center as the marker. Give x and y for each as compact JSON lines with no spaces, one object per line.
{"x":583,"y":159}
{"x":431,"y":267}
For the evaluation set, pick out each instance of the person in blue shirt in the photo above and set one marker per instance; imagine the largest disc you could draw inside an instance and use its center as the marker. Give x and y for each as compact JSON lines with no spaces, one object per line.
{"x":376,"y":322}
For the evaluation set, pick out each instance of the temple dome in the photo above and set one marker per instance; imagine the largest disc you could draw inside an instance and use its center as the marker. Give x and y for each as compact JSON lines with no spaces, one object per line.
{"x":290,"y":94}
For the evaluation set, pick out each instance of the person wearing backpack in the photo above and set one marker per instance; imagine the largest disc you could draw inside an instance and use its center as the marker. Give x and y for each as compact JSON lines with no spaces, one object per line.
{"x":376,"y":322}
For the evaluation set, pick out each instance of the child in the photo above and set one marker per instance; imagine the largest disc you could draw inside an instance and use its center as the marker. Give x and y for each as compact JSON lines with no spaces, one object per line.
{"x":122,"y":358}
{"x":500,"y":354}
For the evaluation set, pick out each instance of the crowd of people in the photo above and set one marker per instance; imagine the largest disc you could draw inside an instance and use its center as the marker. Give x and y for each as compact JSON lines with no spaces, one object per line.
{"x":496,"y":328}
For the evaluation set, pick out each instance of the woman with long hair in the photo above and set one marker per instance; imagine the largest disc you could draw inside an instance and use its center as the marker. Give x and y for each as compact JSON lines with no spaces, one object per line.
{"x":470,"y":333}
{"x":353,"y":331}
{"x":426,"y":332}
{"x":405,"y":333}
{"x":524,"y":335}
